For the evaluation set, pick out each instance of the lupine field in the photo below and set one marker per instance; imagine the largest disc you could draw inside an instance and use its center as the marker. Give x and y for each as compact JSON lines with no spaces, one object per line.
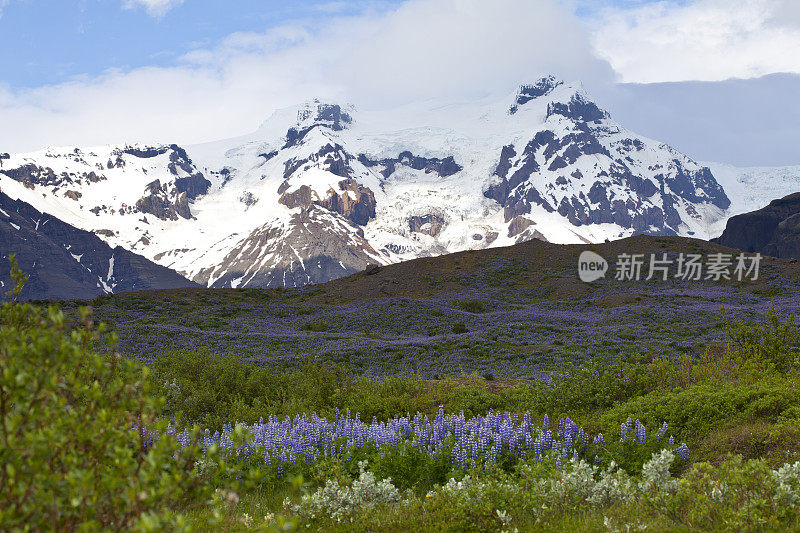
{"x":505,"y":315}
{"x":466,"y":442}
{"x":484,"y":391}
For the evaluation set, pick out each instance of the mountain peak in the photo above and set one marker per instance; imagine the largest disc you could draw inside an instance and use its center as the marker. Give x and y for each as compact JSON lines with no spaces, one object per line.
{"x":526,"y":93}
{"x":330,"y":114}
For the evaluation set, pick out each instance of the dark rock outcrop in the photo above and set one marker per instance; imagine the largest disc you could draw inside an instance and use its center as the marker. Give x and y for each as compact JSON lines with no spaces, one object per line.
{"x":322,"y":115}
{"x":352,"y":200}
{"x":429,"y":224}
{"x":158,"y":202}
{"x":444,"y":167}
{"x":578,"y":108}
{"x":194,"y":186}
{"x":31,"y":175}
{"x":773,"y":230}
{"x":146,"y":152}
{"x":170,"y":202}
{"x":526,"y":93}
{"x":65,"y":262}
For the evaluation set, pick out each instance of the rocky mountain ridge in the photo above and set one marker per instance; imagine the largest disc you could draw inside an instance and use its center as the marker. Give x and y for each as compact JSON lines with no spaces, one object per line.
{"x":322,"y":189}
{"x":62,"y":261}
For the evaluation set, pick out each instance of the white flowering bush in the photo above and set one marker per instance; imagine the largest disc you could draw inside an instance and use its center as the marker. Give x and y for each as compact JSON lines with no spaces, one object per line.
{"x":340,"y":502}
{"x":655,"y":473}
{"x":741,"y":495}
{"x":787,"y":485}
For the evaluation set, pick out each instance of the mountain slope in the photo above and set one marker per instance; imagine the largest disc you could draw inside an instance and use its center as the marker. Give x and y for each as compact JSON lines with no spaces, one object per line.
{"x":64,"y":262}
{"x":321,"y":189}
{"x":752,"y":188}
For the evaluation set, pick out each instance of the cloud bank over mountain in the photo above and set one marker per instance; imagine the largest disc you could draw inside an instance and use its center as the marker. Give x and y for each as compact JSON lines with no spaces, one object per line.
{"x":425,"y":49}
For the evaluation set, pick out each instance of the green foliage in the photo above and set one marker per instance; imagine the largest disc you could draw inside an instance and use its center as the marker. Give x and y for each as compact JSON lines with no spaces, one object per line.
{"x":410,"y":468}
{"x":737,"y":495}
{"x":72,"y":451}
{"x":315,"y":326}
{"x":459,"y":327}
{"x":696,"y":411}
{"x":213,"y":390}
{"x":472,"y":306}
{"x":771,"y":343}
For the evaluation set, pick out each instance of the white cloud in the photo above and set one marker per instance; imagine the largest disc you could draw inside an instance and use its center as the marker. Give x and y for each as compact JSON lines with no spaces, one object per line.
{"x":154,"y":8}
{"x":422,"y":49}
{"x":703,"y":40}
{"x":461,"y":48}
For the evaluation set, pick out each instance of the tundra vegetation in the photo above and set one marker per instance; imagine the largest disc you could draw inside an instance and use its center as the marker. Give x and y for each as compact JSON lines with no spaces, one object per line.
{"x":189,"y":439}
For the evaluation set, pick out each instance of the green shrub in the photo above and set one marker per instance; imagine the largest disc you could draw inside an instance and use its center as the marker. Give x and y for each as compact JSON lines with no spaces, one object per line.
{"x":772,"y":342}
{"x":315,"y":326}
{"x":472,"y":306}
{"x":73,"y":451}
{"x":409,"y":468}
{"x":459,"y":327}
{"x":699,"y":409}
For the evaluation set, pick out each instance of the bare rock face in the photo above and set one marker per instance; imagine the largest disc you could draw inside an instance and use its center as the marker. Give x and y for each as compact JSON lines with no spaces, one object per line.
{"x":444,"y":167}
{"x":168,"y":201}
{"x":518,"y":225}
{"x":578,"y":108}
{"x":354,"y":201}
{"x":430,"y":224}
{"x":158,"y":202}
{"x":315,"y":246}
{"x":773,"y":230}
{"x":31,"y":175}
{"x":349,"y":199}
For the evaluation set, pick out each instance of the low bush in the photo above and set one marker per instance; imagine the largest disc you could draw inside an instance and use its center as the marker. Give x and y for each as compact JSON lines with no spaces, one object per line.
{"x":472,"y":306}
{"x":76,"y":451}
{"x":459,"y":327}
{"x":315,"y":326}
{"x":736,"y":495}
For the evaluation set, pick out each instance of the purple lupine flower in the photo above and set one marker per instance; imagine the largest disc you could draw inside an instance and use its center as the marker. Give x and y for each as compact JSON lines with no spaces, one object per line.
{"x":682,"y":450}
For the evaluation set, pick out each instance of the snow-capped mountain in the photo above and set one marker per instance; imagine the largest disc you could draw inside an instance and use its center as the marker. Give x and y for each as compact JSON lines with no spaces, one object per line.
{"x":322,"y":189}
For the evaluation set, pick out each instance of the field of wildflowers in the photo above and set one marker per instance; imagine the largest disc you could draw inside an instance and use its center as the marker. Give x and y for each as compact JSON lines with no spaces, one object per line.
{"x":493,"y":396}
{"x":479,"y":321}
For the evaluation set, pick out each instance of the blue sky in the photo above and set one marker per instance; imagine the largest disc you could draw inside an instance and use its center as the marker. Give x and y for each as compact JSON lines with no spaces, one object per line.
{"x":50,"y":41}
{"x":711,"y":77}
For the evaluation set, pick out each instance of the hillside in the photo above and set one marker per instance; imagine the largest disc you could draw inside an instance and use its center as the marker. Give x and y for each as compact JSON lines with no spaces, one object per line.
{"x":513,"y":312}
